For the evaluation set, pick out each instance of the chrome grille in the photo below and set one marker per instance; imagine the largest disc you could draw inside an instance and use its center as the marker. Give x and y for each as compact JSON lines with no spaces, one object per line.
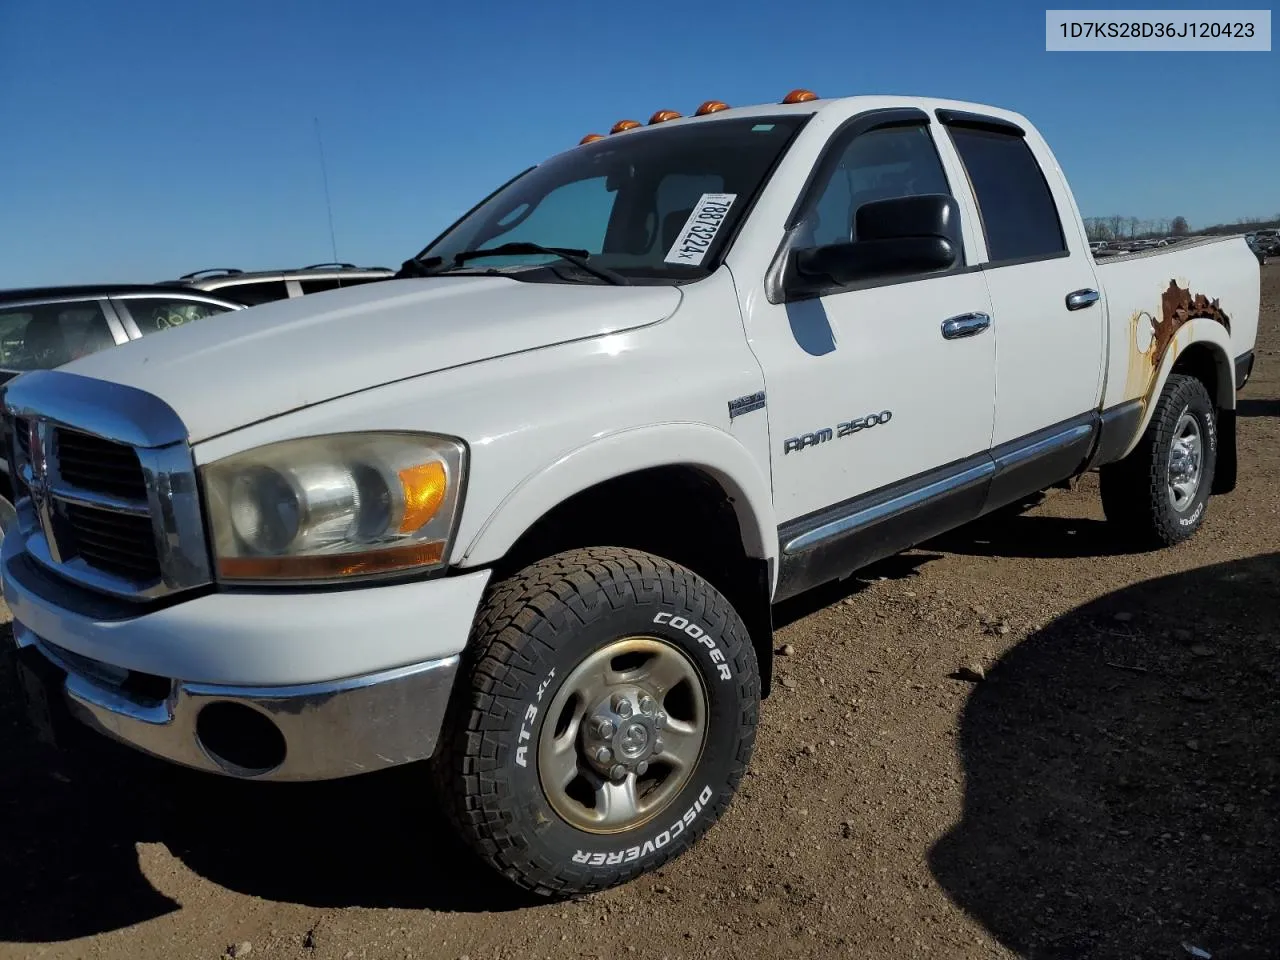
{"x":105,"y":485}
{"x":91,"y":463}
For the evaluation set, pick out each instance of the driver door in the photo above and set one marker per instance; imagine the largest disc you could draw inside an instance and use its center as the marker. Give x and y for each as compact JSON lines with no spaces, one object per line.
{"x":880,"y":409}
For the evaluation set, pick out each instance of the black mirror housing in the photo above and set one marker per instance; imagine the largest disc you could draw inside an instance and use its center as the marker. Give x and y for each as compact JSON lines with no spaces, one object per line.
{"x":896,"y":237}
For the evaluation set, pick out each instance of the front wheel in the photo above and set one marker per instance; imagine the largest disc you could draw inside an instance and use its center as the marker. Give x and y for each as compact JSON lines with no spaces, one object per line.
{"x":603,"y":723}
{"x":1159,"y":492}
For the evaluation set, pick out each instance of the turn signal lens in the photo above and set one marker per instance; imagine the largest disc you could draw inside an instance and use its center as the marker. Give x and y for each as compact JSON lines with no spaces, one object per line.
{"x":622,"y":125}
{"x":424,"y":487}
{"x":663,"y":115}
{"x":591,"y":138}
{"x":711,"y":106}
{"x":799,"y":96}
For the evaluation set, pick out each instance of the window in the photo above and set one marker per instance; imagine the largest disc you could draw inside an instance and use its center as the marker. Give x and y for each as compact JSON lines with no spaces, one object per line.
{"x":333,"y":283}
{"x":44,"y":336}
{"x":154,"y":314}
{"x":876,"y":165}
{"x":621,"y":198}
{"x":1018,"y":213}
{"x":251,"y":294}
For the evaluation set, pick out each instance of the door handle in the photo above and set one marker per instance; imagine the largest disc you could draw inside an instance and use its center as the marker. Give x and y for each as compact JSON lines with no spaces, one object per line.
{"x":965,"y":325}
{"x":1079,"y":299}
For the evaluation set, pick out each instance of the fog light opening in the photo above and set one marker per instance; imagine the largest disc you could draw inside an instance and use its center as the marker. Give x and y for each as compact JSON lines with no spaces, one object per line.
{"x":244,"y":742}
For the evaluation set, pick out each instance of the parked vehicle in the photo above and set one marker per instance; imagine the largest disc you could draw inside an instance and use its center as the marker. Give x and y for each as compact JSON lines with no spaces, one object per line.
{"x":529,"y":515}
{"x":263,"y":286}
{"x":45,"y":327}
{"x":1258,"y":249}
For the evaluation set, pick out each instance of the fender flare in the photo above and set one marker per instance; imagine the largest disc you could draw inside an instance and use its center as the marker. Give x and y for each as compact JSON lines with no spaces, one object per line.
{"x":1201,"y":330}
{"x":613,"y":455}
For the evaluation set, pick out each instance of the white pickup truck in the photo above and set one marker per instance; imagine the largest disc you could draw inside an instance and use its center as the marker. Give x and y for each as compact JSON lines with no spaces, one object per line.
{"x":526,"y":508}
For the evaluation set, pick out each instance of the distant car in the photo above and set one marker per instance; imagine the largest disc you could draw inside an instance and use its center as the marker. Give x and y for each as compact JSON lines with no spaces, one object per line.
{"x":42,"y":328}
{"x":262,"y":286}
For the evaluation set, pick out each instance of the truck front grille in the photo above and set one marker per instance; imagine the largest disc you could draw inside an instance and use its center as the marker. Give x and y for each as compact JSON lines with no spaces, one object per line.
{"x":106,"y":499}
{"x":91,"y":463}
{"x":118,"y":543}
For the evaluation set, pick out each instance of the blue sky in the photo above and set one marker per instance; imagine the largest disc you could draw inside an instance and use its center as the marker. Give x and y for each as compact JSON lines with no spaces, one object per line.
{"x":145,"y":139}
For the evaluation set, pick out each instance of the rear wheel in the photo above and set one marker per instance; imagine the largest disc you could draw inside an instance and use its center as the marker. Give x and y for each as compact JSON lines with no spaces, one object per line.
{"x":1158,"y":494}
{"x":607,"y":717}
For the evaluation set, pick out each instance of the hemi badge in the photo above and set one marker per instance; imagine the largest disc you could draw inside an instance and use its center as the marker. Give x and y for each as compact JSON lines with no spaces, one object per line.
{"x":746,"y":404}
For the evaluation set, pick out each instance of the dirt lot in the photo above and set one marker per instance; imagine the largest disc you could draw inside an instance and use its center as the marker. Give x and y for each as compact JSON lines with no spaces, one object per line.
{"x":1111,"y":789}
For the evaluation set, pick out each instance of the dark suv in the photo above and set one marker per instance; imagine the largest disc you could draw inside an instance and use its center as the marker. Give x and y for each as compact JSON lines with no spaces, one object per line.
{"x":45,"y":327}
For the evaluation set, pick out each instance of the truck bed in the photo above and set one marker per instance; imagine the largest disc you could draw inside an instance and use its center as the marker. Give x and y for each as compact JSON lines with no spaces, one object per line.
{"x":1150,"y":295}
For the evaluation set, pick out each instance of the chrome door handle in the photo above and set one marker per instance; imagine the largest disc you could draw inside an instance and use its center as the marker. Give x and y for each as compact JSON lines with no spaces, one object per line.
{"x":1079,"y":299}
{"x":965,"y":325}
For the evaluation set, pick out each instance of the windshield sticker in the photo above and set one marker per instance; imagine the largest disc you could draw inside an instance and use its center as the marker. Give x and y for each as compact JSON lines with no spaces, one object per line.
{"x":699,"y":231}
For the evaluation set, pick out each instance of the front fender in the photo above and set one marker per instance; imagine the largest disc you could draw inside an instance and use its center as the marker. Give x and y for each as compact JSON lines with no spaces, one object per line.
{"x":627,"y":451}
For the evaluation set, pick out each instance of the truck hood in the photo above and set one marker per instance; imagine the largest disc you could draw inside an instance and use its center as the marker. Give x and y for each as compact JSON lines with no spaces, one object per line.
{"x":234,"y":369}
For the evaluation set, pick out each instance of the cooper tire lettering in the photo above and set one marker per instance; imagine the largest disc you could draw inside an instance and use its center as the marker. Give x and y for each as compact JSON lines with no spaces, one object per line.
{"x":691,"y":629}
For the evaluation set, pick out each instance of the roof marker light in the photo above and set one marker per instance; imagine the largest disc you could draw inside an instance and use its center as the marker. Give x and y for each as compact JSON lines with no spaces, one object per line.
{"x":623,"y":125}
{"x":711,"y":106}
{"x":590,"y":138}
{"x":799,"y":96}
{"x":664,"y":115}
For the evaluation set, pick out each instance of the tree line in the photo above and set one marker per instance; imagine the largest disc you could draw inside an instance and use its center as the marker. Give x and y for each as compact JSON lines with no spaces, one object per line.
{"x":1132,"y":228}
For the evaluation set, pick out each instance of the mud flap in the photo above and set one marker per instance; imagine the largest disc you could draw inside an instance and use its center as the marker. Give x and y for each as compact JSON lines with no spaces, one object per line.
{"x":1224,"y":473}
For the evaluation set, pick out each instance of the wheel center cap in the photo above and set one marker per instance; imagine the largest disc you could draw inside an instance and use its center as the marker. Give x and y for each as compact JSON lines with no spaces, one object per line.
{"x":633,"y":740}
{"x":624,"y":733}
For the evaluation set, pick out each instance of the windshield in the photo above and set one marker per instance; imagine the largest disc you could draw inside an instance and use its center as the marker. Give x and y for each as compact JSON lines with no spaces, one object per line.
{"x":653,"y":205}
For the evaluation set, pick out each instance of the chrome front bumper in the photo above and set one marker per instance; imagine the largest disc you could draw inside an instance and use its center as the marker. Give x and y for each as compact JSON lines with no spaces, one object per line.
{"x":322,"y":731}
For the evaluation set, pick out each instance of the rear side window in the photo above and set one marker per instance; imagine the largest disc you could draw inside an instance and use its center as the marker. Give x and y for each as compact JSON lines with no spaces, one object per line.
{"x":45,"y":336}
{"x":252,"y":294}
{"x":1018,"y":213}
{"x":154,"y":314}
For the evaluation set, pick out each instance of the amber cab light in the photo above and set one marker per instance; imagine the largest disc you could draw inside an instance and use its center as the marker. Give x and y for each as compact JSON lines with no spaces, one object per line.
{"x":711,"y":106}
{"x":799,"y":96}
{"x":622,"y":125}
{"x":664,"y":115}
{"x":591,"y":138}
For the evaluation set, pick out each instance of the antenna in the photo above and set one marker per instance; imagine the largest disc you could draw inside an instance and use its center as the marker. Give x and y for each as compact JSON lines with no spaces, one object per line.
{"x":328,"y":205}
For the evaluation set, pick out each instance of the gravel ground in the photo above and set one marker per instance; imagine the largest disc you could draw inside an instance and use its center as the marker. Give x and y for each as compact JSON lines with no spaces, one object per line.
{"x":1110,"y":789}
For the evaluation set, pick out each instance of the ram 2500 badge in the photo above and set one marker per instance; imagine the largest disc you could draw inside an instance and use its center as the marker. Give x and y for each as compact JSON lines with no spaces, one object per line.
{"x":526,"y":509}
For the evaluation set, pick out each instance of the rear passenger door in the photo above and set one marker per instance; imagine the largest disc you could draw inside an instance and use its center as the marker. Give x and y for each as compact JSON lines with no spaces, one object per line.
{"x":1047,"y":312}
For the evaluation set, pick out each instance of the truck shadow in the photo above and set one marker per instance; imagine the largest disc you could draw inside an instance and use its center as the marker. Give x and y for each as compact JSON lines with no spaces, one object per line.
{"x":1258,"y":408}
{"x":1011,"y":532}
{"x":1123,"y":784}
{"x":69,"y":863}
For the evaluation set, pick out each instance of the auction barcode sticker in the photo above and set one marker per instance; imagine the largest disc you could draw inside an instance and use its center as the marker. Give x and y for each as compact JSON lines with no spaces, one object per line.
{"x":699,"y":231}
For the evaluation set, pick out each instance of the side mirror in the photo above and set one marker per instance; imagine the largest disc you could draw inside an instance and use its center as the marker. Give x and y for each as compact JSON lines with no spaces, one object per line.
{"x":896,"y":237}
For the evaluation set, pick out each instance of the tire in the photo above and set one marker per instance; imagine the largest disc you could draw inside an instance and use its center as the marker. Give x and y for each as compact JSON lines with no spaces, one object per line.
{"x":1138,"y":492}
{"x":530,"y":704}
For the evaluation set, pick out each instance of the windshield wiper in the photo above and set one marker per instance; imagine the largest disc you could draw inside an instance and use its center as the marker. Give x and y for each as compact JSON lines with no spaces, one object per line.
{"x":579,"y":258}
{"x":413,"y":267}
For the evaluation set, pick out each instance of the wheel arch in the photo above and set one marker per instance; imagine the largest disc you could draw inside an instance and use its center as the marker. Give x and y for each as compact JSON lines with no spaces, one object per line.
{"x":1202,"y":349}
{"x":688,"y":492}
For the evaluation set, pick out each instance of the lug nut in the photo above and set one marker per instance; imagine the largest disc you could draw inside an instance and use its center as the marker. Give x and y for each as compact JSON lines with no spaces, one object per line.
{"x":647,"y":706}
{"x":642,"y":768}
{"x":618,"y":772}
{"x":604,"y":729}
{"x":622,"y":706}
{"x":604,"y":755}
{"x":657,"y":744}
{"x":659,"y":721}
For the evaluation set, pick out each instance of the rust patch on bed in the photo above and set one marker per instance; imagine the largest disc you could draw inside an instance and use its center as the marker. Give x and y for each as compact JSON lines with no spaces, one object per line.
{"x":1150,"y":338}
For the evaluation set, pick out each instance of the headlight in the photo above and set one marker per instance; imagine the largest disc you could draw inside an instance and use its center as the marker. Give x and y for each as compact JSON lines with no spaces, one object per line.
{"x":335,"y":507}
